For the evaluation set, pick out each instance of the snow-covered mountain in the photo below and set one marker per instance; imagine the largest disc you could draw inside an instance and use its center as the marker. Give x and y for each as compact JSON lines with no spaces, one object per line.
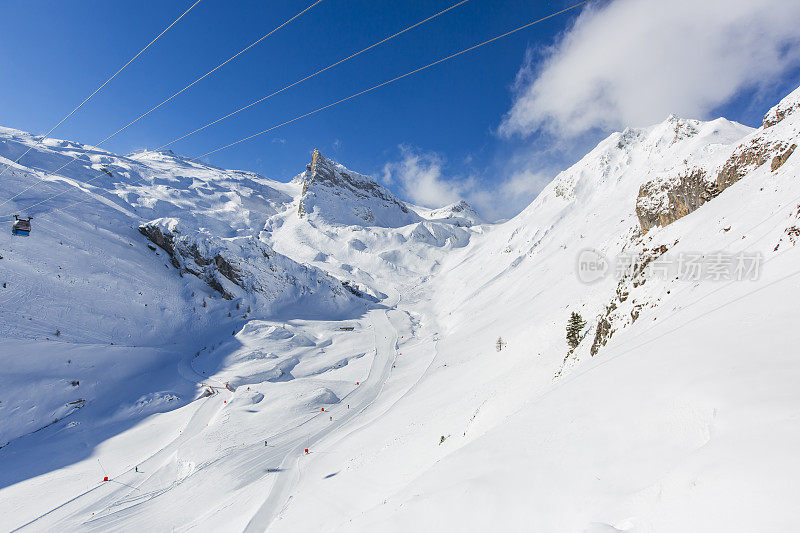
{"x":337,"y":195}
{"x":238,"y":352}
{"x":460,"y":212}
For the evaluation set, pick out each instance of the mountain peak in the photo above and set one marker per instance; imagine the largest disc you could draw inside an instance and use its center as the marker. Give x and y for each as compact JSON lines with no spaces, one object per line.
{"x":461,"y":213}
{"x":328,"y":173}
{"x":340,"y":196}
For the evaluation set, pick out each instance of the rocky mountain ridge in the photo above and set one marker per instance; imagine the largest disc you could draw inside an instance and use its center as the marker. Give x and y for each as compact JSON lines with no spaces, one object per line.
{"x":665,"y":199}
{"x":340,"y":196}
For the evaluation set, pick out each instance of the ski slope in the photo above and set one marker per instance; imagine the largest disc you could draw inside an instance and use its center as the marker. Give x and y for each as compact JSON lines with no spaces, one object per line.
{"x":125,"y":501}
{"x":209,"y":356}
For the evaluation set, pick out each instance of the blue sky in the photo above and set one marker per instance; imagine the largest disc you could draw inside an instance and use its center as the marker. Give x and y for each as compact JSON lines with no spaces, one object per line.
{"x":440,"y":133}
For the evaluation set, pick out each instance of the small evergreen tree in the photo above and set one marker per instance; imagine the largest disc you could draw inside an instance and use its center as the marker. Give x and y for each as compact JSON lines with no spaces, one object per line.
{"x":575,"y":325}
{"x":500,"y":344}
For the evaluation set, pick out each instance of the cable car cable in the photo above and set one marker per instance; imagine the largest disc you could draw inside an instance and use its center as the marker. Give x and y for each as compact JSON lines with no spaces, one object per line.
{"x":320,"y":71}
{"x":247,"y":106}
{"x":429,"y":65}
{"x":75,"y":110}
{"x":374,"y":87}
{"x":137,"y":119}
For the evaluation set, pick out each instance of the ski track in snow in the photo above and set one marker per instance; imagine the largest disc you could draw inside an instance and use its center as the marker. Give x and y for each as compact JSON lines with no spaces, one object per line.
{"x":326,"y":314}
{"x":121,"y":503}
{"x":280,"y":493}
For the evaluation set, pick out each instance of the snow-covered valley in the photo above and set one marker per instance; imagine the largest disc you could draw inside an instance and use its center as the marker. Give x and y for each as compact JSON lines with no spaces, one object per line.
{"x":186,"y":347}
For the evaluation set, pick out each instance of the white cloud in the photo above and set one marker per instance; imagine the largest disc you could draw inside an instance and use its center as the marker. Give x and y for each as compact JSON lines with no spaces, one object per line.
{"x":632,"y":62}
{"x":521,"y":188}
{"x":420,"y":178}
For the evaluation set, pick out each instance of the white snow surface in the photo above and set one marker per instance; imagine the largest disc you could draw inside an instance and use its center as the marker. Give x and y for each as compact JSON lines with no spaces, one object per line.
{"x":200,"y":409}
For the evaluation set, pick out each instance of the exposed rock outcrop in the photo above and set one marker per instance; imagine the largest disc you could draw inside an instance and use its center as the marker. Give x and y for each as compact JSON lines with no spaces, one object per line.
{"x":744,"y":159}
{"x":786,"y":107}
{"x":614,"y":316}
{"x":664,"y":200}
{"x":781,"y":158}
{"x":661,"y":202}
{"x":344,"y":197}
{"x":235,"y":267}
{"x":187,"y":256}
{"x":603,"y":331}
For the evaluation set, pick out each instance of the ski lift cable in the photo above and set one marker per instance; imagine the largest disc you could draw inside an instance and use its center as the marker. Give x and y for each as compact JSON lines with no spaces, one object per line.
{"x":251,"y":45}
{"x":145,"y":152}
{"x":75,"y":110}
{"x":320,"y":71}
{"x":247,"y":106}
{"x":493,"y":39}
{"x":140,"y":117}
{"x":378,"y":86}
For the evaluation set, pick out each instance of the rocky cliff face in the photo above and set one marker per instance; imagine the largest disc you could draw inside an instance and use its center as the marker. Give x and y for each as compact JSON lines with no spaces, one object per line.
{"x":781,"y":158}
{"x":626,"y":305}
{"x":786,"y":107}
{"x":745,"y":158}
{"x":666,"y":199}
{"x":662,"y":201}
{"x":245,"y":267}
{"x":343,"y":197}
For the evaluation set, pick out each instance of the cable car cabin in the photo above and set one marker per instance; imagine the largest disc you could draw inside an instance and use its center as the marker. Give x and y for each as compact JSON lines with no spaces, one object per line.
{"x":21,"y":226}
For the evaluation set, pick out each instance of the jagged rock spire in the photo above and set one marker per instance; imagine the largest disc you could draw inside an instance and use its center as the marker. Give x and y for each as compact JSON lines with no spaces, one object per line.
{"x":310,"y":171}
{"x":344,"y":197}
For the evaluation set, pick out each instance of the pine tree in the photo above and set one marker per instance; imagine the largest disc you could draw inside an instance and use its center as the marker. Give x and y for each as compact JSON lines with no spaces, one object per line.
{"x":500,"y":344}
{"x":575,"y":325}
